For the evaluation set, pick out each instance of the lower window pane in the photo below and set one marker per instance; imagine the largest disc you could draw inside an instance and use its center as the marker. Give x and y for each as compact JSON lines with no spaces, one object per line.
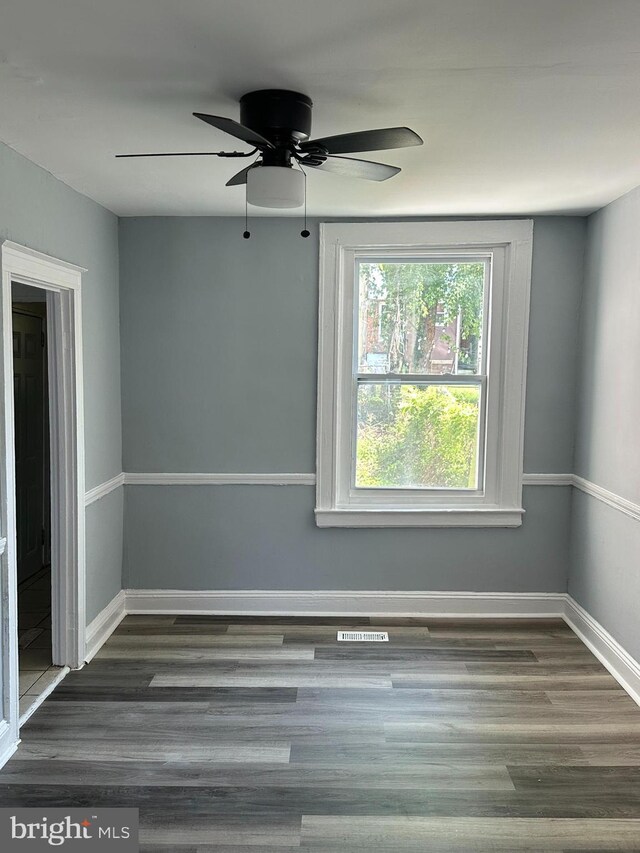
{"x":417,"y":436}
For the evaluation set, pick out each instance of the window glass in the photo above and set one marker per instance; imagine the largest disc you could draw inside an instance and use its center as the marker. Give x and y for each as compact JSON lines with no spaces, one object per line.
{"x":420,"y":317}
{"x":417,"y":436}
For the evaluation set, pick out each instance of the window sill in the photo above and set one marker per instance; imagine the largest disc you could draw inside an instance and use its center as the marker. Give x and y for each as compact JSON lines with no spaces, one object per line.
{"x":475,"y":517}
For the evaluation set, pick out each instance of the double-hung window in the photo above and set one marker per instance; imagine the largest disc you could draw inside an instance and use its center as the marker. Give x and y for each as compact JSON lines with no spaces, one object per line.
{"x":422,"y":362}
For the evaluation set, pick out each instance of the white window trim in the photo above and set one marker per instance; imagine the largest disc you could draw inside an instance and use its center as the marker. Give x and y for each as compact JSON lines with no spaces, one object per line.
{"x":499,"y":503}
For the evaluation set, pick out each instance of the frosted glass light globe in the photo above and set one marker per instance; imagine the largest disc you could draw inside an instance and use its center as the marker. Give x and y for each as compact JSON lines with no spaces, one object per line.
{"x":275,"y":186}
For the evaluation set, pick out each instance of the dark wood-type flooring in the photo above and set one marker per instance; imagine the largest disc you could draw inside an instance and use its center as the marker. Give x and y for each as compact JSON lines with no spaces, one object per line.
{"x":256,"y":735}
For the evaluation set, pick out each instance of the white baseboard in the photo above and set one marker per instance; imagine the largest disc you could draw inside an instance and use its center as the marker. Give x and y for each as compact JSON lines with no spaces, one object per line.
{"x":103,"y":626}
{"x":624,"y":668}
{"x":344,"y":603}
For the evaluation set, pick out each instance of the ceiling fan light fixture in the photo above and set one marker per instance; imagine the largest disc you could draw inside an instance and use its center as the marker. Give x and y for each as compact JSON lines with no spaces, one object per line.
{"x":275,"y":186}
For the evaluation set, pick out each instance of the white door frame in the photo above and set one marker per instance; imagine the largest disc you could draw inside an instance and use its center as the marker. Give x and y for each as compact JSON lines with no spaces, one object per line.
{"x":62,"y":283}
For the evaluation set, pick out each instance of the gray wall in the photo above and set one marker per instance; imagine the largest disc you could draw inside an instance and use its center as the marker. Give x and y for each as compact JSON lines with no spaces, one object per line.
{"x":39,"y":211}
{"x":605,"y":570}
{"x":219,"y":339}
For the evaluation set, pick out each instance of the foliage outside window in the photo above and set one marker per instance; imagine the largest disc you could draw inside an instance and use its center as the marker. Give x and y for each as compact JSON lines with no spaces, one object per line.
{"x":421,"y":379}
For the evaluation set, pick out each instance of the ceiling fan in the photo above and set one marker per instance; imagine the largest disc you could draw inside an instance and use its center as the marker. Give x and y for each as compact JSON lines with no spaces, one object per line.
{"x":277,"y":123}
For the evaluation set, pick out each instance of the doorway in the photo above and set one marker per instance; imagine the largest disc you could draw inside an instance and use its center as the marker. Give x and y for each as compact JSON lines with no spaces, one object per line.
{"x":42,"y":518}
{"x":33,"y":493}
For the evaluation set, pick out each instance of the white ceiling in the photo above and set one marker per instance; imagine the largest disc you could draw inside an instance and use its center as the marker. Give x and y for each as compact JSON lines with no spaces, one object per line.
{"x":525,"y":106}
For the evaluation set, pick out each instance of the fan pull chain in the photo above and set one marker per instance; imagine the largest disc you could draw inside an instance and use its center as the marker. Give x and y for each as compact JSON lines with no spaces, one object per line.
{"x":304,"y":233}
{"x":246,"y":233}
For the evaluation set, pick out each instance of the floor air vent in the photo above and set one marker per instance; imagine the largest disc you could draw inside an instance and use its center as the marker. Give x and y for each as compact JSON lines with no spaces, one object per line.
{"x":363,"y":636}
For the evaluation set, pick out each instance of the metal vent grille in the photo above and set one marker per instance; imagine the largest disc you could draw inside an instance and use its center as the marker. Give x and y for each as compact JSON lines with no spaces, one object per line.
{"x":363,"y":636}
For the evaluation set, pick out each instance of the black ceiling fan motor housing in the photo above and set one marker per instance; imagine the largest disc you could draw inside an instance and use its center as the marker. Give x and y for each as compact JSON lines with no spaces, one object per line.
{"x":283,"y":117}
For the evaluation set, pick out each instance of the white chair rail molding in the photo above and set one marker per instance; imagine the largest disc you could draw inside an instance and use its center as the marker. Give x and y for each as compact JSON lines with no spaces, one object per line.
{"x":301,"y":479}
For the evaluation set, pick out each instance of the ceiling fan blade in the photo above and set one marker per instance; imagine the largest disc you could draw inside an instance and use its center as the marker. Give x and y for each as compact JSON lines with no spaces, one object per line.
{"x":240,"y":177}
{"x":352,"y":168}
{"x":179,"y":154}
{"x":234,"y":128}
{"x":365,"y":140}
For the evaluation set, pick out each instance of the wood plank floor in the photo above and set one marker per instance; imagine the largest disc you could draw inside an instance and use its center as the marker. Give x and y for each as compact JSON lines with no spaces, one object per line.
{"x":260,"y":735}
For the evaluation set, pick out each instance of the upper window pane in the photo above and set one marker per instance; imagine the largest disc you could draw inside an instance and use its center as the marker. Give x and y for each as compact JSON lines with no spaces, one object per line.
{"x":420,"y":317}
